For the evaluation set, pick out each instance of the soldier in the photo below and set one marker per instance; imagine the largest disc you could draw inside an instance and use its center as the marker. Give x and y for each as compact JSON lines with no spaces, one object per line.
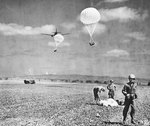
{"x":112,"y":88}
{"x":96,"y":92}
{"x":129,"y":91}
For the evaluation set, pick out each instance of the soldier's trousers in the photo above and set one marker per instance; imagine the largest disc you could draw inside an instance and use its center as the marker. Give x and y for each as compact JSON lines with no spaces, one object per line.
{"x":129,"y":103}
{"x":96,"y":96}
{"x":111,"y":94}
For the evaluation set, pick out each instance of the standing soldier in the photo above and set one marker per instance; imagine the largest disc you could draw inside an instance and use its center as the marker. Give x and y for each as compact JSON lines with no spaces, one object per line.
{"x":129,"y":91}
{"x":96,"y":92}
{"x":112,"y":88}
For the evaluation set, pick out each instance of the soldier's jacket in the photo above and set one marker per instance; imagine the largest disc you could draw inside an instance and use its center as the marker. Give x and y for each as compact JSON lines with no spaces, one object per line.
{"x":130,"y":88}
{"x":111,"y":87}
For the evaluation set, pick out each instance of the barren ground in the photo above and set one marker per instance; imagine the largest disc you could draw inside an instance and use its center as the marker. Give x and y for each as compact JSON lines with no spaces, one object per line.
{"x":64,"y":105}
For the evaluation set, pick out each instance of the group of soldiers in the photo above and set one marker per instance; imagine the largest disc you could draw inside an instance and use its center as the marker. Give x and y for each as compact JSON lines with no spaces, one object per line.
{"x":129,"y":91}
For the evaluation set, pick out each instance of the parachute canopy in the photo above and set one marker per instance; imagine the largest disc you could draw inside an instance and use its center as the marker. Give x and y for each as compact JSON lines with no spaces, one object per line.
{"x":58,"y":38}
{"x":90,"y":16}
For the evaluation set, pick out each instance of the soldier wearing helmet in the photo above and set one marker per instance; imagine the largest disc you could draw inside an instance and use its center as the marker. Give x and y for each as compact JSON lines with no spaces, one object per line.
{"x":111,"y":89}
{"x":129,"y":91}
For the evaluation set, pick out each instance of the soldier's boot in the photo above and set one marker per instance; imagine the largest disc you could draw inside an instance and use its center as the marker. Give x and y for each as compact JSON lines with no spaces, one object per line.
{"x":124,"y":120}
{"x":132,"y":115}
{"x":133,"y":122}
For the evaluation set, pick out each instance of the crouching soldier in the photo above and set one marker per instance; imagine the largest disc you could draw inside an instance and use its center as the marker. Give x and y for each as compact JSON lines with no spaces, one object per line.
{"x":111,"y":89}
{"x":97,"y":90}
{"x":129,"y":91}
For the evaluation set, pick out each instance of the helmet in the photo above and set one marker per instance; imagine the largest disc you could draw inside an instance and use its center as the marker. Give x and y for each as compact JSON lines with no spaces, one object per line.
{"x":131,"y":76}
{"x":111,"y":81}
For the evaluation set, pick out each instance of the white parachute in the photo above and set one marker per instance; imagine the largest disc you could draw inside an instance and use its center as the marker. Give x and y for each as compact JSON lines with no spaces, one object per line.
{"x":108,"y":102}
{"x":58,"y":38}
{"x":90,"y":17}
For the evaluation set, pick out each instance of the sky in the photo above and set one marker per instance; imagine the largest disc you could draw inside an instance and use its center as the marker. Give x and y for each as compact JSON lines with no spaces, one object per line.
{"x":122,"y":38}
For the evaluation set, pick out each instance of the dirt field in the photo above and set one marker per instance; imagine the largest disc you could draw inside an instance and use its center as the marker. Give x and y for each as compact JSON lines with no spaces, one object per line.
{"x":64,"y":105}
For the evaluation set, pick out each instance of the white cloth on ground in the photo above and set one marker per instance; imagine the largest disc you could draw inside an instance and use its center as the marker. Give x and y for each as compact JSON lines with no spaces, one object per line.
{"x":108,"y":102}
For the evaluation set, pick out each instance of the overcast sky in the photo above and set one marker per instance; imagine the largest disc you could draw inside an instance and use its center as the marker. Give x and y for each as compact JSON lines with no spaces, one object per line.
{"x":122,"y":36}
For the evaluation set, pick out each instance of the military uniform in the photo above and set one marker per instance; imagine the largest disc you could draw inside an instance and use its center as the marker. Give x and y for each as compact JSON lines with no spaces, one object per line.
{"x":129,"y":90}
{"x":96,"y":92}
{"x":111,"y":92}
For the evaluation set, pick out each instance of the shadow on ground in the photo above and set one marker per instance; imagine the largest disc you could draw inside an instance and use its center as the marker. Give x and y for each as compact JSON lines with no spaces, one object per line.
{"x":90,"y":104}
{"x":114,"y":123}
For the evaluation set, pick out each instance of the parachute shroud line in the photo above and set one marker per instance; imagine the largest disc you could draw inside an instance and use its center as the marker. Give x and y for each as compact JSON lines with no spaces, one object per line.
{"x":90,"y":17}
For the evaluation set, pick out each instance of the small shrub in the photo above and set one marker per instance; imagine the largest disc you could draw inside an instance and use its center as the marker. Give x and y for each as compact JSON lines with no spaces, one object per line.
{"x":88,"y":81}
{"x":105,"y":82}
{"x":81,"y":81}
{"x":97,"y":82}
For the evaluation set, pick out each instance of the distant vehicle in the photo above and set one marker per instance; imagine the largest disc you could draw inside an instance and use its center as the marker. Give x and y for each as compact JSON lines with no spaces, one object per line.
{"x":29,"y":81}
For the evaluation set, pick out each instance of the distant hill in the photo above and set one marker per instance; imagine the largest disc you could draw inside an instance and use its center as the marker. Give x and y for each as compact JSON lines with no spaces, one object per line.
{"x":71,"y":77}
{"x":84,"y":78}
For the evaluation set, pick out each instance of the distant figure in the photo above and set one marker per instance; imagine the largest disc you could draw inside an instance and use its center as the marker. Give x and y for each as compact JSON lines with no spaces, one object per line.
{"x":120,"y":102}
{"x":129,"y":91}
{"x":96,"y":92}
{"x":112,"y":88}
